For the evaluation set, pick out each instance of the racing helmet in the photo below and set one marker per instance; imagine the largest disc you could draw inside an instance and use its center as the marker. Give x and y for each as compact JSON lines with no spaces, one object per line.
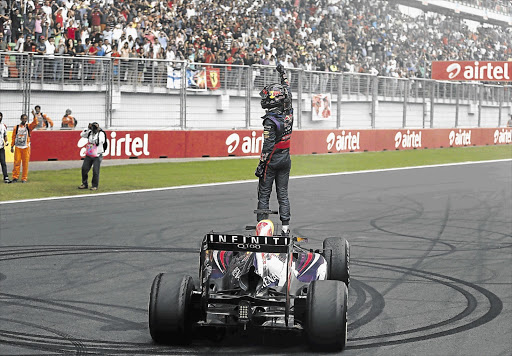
{"x":275,"y":96}
{"x":265,"y":228}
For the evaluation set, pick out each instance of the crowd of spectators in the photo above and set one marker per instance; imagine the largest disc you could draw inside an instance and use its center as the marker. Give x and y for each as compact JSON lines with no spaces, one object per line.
{"x":361,"y":36}
{"x":500,"y":6}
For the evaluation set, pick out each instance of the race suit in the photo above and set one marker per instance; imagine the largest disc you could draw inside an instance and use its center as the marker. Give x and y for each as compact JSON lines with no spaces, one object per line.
{"x":277,"y":132}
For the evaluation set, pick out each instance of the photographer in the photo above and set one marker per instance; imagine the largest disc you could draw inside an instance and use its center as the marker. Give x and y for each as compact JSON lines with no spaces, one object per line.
{"x":93,"y":155}
{"x":68,"y":121}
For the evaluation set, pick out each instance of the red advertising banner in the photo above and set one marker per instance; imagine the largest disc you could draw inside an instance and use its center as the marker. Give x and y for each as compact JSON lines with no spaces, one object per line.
{"x":213,"y":78}
{"x":66,"y":145}
{"x":472,"y":70}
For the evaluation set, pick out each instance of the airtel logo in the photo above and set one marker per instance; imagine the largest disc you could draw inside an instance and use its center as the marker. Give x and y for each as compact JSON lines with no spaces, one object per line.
{"x":480,"y":71}
{"x":503,"y":136}
{"x":461,"y":138}
{"x":408,"y":140}
{"x":250,"y":144}
{"x":135,"y":146}
{"x":453,"y":70}
{"x":343,"y":142}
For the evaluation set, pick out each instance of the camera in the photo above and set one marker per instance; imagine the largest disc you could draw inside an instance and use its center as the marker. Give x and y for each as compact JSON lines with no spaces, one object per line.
{"x":94,"y":126}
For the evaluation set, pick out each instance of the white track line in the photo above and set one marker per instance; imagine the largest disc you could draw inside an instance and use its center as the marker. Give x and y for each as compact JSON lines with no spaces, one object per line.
{"x":248,"y":181}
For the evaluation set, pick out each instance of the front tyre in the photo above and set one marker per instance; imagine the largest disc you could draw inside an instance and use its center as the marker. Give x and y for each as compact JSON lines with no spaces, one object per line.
{"x":170,"y":309}
{"x":326,"y":321}
{"x":337,"y":255}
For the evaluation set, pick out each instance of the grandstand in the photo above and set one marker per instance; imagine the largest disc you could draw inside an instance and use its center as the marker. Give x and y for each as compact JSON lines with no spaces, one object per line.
{"x":363,"y":36}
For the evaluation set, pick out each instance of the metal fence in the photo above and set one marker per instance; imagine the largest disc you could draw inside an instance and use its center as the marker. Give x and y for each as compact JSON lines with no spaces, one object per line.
{"x":32,"y":77}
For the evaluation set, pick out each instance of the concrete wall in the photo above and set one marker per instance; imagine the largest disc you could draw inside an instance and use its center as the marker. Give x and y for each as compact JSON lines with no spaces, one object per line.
{"x":222,"y":110}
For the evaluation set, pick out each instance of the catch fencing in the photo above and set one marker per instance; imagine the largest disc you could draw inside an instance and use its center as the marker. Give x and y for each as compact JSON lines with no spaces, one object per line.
{"x":134,"y":93}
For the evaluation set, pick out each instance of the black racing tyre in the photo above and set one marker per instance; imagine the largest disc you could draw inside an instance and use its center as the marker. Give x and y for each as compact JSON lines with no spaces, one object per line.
{"x":337,"y":255}
{"x":326,"y":321}
{"x":169,"y":309}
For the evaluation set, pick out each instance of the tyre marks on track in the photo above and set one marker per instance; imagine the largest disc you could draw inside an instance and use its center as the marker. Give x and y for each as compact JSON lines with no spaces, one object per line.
{"x":57,"y":341}
{"x":473,"y":315}
{"x":35,"y":251}
{"x":366,"y":304}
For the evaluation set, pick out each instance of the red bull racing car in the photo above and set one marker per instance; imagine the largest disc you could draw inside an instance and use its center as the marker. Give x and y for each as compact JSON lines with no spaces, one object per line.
{"x":260,"y":280}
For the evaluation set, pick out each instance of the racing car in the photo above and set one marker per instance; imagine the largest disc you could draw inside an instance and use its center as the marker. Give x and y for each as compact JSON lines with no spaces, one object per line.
{"x":260,"y":280}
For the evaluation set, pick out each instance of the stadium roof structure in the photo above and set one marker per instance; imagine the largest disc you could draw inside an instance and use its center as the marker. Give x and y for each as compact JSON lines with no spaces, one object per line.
{"x":451,"y":8}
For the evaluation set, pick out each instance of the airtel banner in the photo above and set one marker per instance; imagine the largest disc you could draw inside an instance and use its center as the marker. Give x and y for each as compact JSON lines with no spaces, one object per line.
{"x":472,"y":70}
{"x":67,"y":145}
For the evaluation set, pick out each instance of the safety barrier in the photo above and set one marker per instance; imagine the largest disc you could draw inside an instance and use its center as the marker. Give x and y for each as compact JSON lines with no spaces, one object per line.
{"x":64,"y":145}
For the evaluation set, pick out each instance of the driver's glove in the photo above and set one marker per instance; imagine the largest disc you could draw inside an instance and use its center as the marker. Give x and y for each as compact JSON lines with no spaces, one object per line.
{"x":260,"y":170}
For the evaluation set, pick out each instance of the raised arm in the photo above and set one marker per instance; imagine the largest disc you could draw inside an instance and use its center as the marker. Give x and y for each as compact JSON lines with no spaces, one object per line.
{"x":284,"y":79}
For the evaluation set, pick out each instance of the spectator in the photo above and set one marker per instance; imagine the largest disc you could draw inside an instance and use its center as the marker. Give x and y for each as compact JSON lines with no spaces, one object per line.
{"x":69,"y":65}
{"x":28,"y":45}
{"x":3,"y":21}
{"x":354,"y":36}
{"x":21,"y":141}
{"x":107,"y":48}
{"x":107,"y":34}
{"x":57,"y":33}
{"x":58,"y":64}
{"x":38,"y":28}
{"x":125,"y":54}
{"x":3,"y":47}
{"x":71,"y":30}
{"x":28,"y":26}
{"x":7,"y":30}
{"x":115,"y":55}
{"x":43,"y":121}
{"x":4,"y":7}
{"x":47,"y":9}
{"x":50,"y":47}
{"x":16,"y":28}
{"x":91,"y":67}
{"x":38,"y":62}
{"x":100,"y":52}
{"x":80,"y":48}
{"x":96,"y":19}
{"x":59,"y":18}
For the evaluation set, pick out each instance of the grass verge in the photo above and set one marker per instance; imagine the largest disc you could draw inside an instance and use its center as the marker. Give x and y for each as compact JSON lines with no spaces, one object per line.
{"x":143,"y":176}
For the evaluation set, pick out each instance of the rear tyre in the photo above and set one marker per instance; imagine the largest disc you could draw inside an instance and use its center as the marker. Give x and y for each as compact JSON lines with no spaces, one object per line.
{"x":337,"y":255}
{"x":326,"y":322}
{"x":170,"y":319}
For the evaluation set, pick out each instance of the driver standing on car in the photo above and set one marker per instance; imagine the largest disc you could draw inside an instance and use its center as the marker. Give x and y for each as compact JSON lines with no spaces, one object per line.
{"x":275,"y":162}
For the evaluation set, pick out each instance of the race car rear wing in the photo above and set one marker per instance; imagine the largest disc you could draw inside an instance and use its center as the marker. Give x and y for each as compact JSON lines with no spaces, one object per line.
{"x":230,"y":242}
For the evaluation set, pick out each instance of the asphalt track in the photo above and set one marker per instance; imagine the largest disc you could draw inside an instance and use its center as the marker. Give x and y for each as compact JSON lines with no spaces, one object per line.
{"x":431,"y":262}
